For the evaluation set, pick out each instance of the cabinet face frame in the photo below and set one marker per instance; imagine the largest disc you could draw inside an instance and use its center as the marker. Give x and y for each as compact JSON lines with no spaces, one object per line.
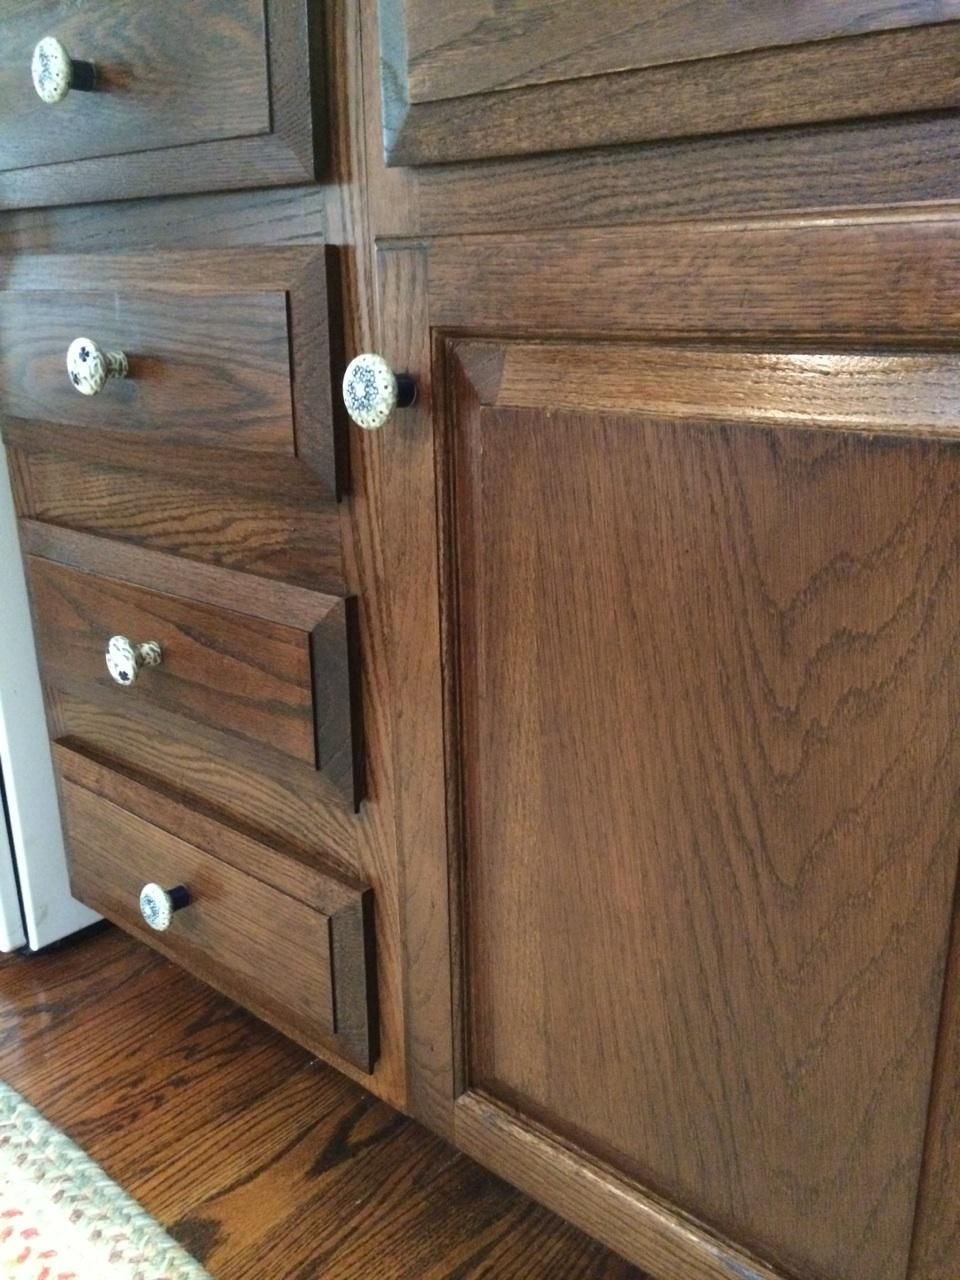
{"x":818,"y":283}
{"x":294,"y":149}
{"x":840,"y":73}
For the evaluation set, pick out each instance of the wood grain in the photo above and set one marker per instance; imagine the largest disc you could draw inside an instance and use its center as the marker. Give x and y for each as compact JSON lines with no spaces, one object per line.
{"x":207,"y":1116}
{"x":891,"y":392}
{"x":233,"y":672}
{"x":895,"y":162}
{"x":330,"y":623}
{"x":223,"y":935}
{"x":262,"y":105}
{"x":710,"y":854}
{"x":411,"y":541}
{"x":828,"y":277}
{"x":450,"y":51}
{"x":936,"y":1241}
{"x":154,"y":87}
{"x":829,"y":81}
{"x":211,"y":371}
{"x":249,"y":787}
{"x":634,"y":1222}
{"x":225,"y":219}
{"x":241,"y":892}
{"x":277,"y":329}
{"x":264,"y":519}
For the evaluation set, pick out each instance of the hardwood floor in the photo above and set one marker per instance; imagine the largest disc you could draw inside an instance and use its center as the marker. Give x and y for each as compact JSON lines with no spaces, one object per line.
{"x":264,"y":1162}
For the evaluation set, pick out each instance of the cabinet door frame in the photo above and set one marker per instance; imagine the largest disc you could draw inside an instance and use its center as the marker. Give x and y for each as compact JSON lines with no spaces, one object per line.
{"x":804,"y":280}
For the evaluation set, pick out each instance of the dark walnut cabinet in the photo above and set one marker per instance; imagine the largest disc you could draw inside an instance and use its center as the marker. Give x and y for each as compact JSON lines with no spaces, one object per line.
{"x":575,"y":759}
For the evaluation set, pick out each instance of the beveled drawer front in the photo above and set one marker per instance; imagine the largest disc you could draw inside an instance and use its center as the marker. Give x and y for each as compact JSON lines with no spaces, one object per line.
{"x":289,"y":940}
{"x":207,"y":370}
{"x":179,"y":93}
{"x":230,"y":671}
{"x":218,"y":349}
{"x":167,"y":75}
{"x":262,"y":664}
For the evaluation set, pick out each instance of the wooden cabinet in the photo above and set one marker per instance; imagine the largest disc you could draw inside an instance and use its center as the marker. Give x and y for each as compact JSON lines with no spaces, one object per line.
{"x":614,"y":680}
{"x":693,"y":614}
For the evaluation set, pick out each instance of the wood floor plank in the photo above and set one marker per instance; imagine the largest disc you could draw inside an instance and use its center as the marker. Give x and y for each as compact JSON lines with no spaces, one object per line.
{"x":263,"y":1161}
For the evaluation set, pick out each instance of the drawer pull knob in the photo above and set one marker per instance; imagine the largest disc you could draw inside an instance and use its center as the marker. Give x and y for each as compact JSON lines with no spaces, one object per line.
{"x":157,"y":904}
{"x":125,"y":660}
{"x":90,"y":368}
{"x":55,"y":73}
{"x":371,"y":391}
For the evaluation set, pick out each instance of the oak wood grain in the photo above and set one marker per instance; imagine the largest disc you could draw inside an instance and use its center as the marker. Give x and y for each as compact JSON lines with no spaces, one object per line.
{"x":878,"y":392}
{"x":710,"y":854}
{"x":199,"y":350}
{"x":262,"y":104}
{"x":226,"y":219}
{"x":831,"y":80}
{"x":155,"y":88}
{"x":223,"y":933}
{"x":822,"y":276}
{"x":292,"y":940}
{"x":211,"y":371}
{"x":266,"y":519}
{"x":411,"y":540}
{"x":587,"y":1193}
{"x":936,"y":1240}
{"x":233,"y":672}
{"x":329,"y":623}
{"x":450,"y":51}
{"x":249,"y":787}
{"x":207,"y":1115}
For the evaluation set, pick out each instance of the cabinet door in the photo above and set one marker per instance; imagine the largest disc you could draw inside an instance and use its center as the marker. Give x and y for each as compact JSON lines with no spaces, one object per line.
{"x":689,"y":651}
{"x":470,"y":79}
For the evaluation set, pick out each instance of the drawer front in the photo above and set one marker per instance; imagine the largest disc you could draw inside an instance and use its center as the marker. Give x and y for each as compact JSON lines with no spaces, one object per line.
{"x":277,"y":680}
{"x":201,"y":370}
{"x":187,"y":95}
{"x":288,"y":940}
{"x":220,"y":351}
{"x":168,"y":75}
{"x":231,"y":672}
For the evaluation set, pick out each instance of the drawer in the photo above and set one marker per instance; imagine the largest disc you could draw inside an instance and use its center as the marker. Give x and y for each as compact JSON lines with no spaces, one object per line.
{"x":265,"y":665}
{"x":287,"y":938}
{"x":180,"y":91}
{"x":218,"y":352}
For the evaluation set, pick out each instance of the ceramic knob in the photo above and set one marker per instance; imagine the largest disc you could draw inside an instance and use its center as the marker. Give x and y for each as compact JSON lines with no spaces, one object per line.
{"x":55,"y":73}
{"x":90,"y":368}
{"x":125,"y":660}
{"x":371,"y":391}
{"x":157,"y":905}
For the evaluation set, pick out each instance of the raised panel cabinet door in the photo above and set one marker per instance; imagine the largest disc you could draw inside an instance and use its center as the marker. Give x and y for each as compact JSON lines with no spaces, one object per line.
{"x":472,"y":79}
{"x":695,"y":691}
{"x":708,"y":748}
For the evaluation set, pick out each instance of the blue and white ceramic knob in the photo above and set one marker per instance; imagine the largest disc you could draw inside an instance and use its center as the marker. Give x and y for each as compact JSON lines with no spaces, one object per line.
{"x":55,"y":73}
{"x":372,"y":391}
{"x":158,"y":905}
{"x":125,"y":660}
{"x":90,"y":368}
